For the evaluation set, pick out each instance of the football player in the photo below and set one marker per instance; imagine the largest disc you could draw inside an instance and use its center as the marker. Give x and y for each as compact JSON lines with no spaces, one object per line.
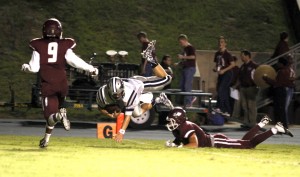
{"x":49,"y":57}
{"x":134,"y":93}
{"x":188,"y":134}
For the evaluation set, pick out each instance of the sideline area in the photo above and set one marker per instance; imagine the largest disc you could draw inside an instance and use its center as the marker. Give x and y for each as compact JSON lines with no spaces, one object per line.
{"x":88,"y":129}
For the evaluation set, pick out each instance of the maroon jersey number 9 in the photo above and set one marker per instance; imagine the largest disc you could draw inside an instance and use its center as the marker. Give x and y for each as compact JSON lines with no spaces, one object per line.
{"x":52,"y":50}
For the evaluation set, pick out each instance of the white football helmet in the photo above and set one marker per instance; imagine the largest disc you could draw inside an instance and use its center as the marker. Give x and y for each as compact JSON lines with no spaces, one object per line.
{"x":115,"y":87}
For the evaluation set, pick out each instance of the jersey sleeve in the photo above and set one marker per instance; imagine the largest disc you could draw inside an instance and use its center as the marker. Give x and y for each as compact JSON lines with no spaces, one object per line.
{"x":33,"y":44}
{"x":186,"y":131}
{"x":34,"y":63}
{"x":76,"y":62}
{"x":70,"y":43}
{"x":100,"y":97}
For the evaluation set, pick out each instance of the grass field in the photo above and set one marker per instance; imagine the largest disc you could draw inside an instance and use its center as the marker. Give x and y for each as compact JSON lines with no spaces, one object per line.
{"x":20,"y":156}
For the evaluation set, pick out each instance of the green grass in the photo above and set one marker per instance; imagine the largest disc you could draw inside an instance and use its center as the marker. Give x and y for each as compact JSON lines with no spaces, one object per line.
{"x":98,"y":26}
{"x":20,"y":156}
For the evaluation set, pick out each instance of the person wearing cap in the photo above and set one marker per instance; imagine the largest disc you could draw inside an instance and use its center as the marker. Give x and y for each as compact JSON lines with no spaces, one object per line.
{"x":188,"y":63}
{"x":285,"y":79}
{"x":146,"y":69}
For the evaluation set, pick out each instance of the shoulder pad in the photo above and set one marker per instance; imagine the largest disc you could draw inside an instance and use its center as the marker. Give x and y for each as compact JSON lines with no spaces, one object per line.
{"x":71,"y":42}
{"x":33,"y":42}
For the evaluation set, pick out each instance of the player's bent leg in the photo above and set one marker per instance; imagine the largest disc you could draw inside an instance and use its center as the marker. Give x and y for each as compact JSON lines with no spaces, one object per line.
{"x":162,"y":98}
{"x":155,"y":83}
{"x":253,"y":131}
{"x":261,"y":138}
{"x":159,"y":71}
{"x":62,"y":114}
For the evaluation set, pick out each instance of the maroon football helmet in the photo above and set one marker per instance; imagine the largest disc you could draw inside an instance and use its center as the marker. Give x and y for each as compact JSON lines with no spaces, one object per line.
{"x":175,"y":118}
{"x":52,"y":28}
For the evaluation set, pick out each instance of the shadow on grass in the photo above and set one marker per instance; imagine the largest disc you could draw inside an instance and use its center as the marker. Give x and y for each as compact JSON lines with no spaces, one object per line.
{"x":25,"y":150}
{"x":124,"y":147}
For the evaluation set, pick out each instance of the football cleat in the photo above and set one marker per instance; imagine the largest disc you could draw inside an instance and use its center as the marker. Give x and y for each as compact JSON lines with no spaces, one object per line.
{"x":43,"y":143}
{"x":164,"y":100}
{"x":265,"y":120}
{"x":147,"y":53}
{"x":282,"y":130}
{"x":63,"y":118}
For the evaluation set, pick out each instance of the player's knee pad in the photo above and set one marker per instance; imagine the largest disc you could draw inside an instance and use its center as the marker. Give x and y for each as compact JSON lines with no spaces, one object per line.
{"x":51,"y":121}
{"x":137,"y":111}
{"x":49,"y":127}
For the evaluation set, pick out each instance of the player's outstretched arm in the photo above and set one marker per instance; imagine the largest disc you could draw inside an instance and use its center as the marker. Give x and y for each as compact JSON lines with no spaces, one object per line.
{"x":76,"y":62}
{"x":34,"y":63}
{"x":119,"y":137}
{"x":106,"y":113}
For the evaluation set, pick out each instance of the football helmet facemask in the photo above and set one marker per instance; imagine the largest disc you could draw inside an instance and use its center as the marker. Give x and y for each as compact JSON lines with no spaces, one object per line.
{"x":52,"y":28}
{"x":115,"y":87}
{"x":175,"y":118}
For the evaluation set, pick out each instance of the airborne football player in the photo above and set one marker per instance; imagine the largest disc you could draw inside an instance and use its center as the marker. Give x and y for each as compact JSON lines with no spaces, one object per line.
{"x":49,"y":57}
{"x":134,"y":93}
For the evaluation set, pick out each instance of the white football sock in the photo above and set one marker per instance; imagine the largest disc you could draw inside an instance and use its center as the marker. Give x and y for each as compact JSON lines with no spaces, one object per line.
{"x":274,"y":130}
{"x":47,"y":137}
{"x":261,"y":125}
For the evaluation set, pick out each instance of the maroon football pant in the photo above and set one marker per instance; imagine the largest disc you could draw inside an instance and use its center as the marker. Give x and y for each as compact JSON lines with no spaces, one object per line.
{"x":53,"y":96}
{"x":250,"y":140}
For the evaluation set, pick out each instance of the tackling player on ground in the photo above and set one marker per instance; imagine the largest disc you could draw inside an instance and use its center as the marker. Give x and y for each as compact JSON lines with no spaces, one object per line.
{"x":134,"y":94}
{"x":188,"y":134}
{"x":49,"y":57}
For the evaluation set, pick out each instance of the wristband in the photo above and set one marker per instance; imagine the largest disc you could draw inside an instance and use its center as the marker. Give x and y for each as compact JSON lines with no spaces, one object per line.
{"x":122,"y":131}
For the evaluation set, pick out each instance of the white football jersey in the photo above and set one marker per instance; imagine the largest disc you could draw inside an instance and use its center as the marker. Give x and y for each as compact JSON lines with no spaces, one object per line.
{"x":133,"y":89}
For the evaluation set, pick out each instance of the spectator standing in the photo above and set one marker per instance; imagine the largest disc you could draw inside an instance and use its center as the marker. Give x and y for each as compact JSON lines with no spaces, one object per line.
{"x":284,"y":80}
{"x":188,"y":63}
{"x":248,"y":89}
{"x":146,"y":69}
{"x":282,"y":46}
{"x":224,"y":64}
{"x":235,"y":104}
{"x":166,"y":63}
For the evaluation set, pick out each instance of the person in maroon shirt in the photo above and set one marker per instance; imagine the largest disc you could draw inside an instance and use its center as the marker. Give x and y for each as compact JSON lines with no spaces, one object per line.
{"x":285,"y":79}
{"x":188,"y":134}
{"x":224,"y":64}
{"x":49,"y":57}
{"x":188,"y":63}
{"x":282,"y":46}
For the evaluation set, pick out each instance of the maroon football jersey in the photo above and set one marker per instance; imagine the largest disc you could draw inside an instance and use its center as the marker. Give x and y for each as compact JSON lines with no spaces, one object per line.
{"x":52,"y":62}
{"x":185,"y":130}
